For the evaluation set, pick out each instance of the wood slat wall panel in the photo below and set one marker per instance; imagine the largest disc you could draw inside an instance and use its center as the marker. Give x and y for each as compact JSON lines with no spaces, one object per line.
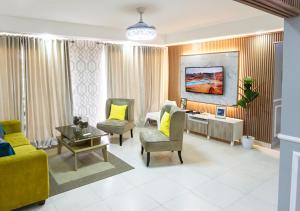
{"x":256,"y":59}
{"x":281,"y":8}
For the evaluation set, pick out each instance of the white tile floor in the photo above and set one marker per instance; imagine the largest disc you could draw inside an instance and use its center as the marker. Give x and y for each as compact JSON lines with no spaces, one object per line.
{"x":214,"y":176}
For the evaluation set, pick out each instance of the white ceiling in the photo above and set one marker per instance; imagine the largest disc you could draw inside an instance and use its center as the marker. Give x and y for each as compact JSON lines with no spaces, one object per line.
{"x":169,"y":16}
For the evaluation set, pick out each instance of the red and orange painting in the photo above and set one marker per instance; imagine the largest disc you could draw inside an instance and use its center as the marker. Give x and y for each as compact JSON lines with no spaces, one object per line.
{"x":207,"y":80}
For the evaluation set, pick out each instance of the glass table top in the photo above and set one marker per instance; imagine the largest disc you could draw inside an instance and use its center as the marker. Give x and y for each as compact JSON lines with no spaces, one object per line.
{"x":76,"y":134}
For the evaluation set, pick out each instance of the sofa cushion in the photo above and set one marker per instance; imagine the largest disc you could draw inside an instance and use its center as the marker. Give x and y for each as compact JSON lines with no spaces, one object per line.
{"x":115,"y":126}
{"x":5,"y":149}
{"x":153,"y":141}
{"x":20,"y":150}
{"x":152,"y":135}
{"x":11,"y":126}
{"x":16,"y":139}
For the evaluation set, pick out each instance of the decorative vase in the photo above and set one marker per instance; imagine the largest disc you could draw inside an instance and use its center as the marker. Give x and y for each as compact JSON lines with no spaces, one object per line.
{"x":76,"y":120}
{"x":247,"y":142}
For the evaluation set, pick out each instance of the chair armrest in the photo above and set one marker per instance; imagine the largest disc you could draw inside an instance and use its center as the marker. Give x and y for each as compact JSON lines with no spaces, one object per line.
{"x":24,"y":179}
{"x":11,"y":126}
{"x":177,"y":126}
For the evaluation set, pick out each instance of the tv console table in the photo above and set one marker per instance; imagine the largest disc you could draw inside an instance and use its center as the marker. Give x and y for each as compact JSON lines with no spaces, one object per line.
{"x":228,"y":129}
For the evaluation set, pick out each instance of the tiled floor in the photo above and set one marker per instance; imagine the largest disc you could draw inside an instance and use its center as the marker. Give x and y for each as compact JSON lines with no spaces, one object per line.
{"x":214,"y":176}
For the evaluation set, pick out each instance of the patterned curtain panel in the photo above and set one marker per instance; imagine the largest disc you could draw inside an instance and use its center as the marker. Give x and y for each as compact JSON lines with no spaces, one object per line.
{"x":48,"y":93}
{"x":10,"y":78}
{"x":88,"y":79}
{"x":140,"y":73}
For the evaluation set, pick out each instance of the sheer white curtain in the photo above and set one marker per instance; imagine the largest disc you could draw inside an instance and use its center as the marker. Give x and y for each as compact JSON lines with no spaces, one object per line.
{"x":140,"y":73}
{"x":48,"y":94}
{"x":10,"y":78}
{"x":88,"y":78}
{"x":156,"y":77}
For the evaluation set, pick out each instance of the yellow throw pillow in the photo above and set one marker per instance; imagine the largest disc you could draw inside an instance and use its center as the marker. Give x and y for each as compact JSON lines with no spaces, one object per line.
{"x":165,"y":124}
{"x":117,"y":112}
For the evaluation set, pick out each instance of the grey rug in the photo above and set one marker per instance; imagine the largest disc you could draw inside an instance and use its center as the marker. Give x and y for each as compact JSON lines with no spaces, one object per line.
{"x":91,"y":168}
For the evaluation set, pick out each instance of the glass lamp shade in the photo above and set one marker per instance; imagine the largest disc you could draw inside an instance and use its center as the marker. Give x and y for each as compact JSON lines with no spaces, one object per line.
{"x":141,"y":31}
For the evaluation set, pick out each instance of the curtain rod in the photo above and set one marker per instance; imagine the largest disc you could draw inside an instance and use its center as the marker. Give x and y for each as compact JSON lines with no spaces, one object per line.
{"x":73,"y":39}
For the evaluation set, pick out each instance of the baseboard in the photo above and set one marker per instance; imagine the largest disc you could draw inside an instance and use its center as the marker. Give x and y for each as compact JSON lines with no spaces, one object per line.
{"x":263,"y":144}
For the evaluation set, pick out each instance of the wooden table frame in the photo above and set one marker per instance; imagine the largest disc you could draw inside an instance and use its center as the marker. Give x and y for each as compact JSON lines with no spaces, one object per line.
{"x":89,"y":144}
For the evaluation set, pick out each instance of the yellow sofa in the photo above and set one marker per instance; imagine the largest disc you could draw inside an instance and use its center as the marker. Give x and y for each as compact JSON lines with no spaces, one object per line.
{"x":24,"y":176}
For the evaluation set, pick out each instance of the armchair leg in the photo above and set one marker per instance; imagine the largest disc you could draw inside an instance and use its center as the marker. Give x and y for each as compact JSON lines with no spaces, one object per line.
{"x":121,"y":139}
{"x":148,"y":158}
{"x":142,"y":150}
{"x":180,"y":158}
{"x":131,"y":133}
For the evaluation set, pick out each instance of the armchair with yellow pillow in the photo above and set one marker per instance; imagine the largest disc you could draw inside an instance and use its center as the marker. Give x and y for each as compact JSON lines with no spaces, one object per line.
{"x":24,"y":175}
{"x":119,"y":117}
{"x":168,"y":137}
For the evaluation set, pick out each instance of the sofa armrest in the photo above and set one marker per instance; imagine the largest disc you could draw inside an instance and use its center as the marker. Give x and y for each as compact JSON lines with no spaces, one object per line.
{"x":24,"y":179}
{"x":11,"y":126}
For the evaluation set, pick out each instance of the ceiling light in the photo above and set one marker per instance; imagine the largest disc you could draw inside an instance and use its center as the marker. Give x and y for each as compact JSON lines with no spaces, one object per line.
{"x":141,"y":31}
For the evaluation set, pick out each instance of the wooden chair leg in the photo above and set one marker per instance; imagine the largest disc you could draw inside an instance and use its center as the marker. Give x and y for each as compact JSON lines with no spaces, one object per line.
{"x":121,"y":139}
{"x":142,"y":150}
{"x":148,"y":158}
{"x":180,"y":158}
{"x":131,"y":133}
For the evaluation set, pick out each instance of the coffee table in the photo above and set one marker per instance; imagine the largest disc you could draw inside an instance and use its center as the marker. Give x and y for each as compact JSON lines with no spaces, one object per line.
{"x":81,"y":140}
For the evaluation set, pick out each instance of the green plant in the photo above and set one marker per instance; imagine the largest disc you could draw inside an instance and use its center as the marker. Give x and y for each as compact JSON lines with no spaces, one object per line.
{"x":249,"y":95}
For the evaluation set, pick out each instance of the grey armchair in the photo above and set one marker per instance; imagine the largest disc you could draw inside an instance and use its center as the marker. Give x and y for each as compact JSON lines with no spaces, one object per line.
{"x":118,"y":126}
{"x":154,"y":141}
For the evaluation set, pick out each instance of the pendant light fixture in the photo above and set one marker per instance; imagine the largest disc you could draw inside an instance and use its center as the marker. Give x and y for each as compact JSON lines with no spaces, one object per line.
{"x":141,"y":31}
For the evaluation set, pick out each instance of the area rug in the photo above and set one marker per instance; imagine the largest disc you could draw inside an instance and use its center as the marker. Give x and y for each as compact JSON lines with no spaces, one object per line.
{"x":91,"y":168}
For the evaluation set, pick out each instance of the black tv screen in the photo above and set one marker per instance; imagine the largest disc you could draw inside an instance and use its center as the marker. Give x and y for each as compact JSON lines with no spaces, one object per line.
{"x":206,"y":80}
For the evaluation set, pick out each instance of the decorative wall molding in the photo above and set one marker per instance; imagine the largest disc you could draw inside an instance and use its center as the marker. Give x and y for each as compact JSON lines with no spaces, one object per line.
{"x":275,"y":119}
{"x":277,"y":100}
{"x":294,"y":181}
{"x":281,"y":8}
{"x":284,"y":137}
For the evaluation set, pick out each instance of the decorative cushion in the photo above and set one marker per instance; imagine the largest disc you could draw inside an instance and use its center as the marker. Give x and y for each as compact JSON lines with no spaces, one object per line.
{"x":5,"y":149}
{"x":117,"y":112}
{"x":2,"y":132}
{"x":165,"y":124}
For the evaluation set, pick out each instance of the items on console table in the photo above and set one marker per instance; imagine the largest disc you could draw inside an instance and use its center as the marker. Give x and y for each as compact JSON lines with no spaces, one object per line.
{"x":228,"y":129}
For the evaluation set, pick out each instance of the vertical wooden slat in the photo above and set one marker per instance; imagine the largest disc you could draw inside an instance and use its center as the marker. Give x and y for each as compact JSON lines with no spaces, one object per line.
{"x":256,"y":59}
{"x":281,"y":8}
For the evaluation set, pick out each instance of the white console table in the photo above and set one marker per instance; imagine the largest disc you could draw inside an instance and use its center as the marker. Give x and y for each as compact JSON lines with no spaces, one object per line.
{"x":228,"y":129}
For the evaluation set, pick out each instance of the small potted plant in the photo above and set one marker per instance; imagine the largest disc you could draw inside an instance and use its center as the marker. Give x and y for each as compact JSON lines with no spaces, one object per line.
{"x":248,"y":96}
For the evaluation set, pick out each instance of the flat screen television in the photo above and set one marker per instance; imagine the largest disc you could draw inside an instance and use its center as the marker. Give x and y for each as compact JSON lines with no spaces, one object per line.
{"x":206,"y":80}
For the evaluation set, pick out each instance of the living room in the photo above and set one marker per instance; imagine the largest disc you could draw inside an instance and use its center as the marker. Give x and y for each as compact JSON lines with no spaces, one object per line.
{"x":147,"y":105}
